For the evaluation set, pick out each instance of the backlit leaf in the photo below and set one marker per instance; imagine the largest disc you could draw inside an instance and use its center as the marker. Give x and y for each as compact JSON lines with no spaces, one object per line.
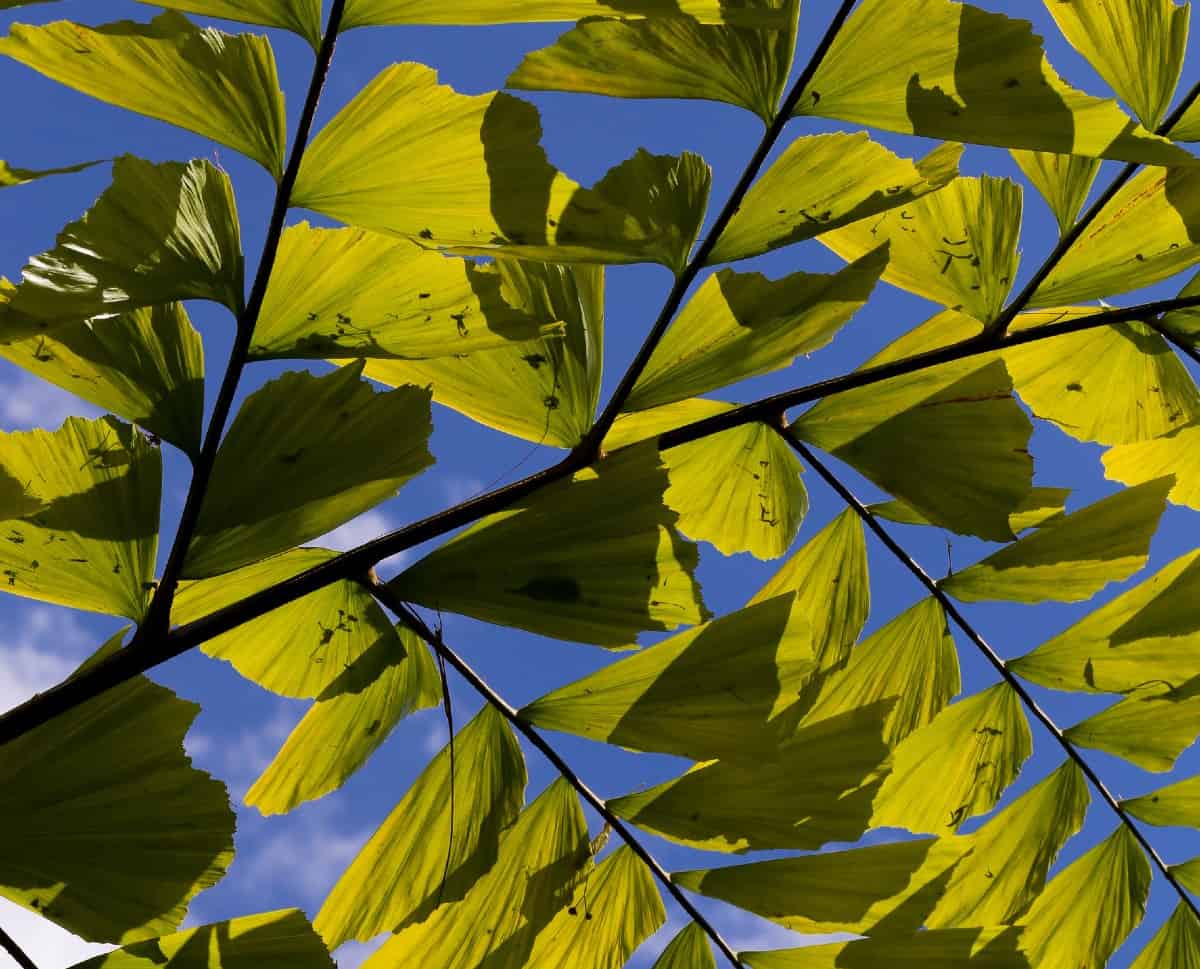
{"x":11,"y":175}
{"x":1176,"y":945}
{"x":1175,"y":454}
{"x":1176,"y":805}
{"x":1150,"y":727}
{"x":1042,"y":505}
{"x":688,"y":950}
{"x":995,"y":948}
{"x":1062,"y":180}
{"x":1188,"y":874}
{"x":300,"y":16}
{"x":365,"y":13}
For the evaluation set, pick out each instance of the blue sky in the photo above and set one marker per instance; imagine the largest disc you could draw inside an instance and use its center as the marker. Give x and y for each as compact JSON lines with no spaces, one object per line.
{"x":295,"y":859}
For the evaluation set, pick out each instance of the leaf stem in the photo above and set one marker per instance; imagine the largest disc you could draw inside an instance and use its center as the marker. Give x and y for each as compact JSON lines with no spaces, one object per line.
{"x":952,"y":610}
{"x":436,"y":642}
{"x":20,"y":957}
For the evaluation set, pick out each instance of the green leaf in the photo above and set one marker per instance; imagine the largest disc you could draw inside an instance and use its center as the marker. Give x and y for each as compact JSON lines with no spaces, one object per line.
{"x":740,"y":325}
{"x":995,"y":948}
{"x":272,"y":940}
{"x":911,"y":660}
{"x":352,"y":293}
{"x":967,"y":75}
{"x":1176,"y":945}
{"x":93,"y":544}
{"x":956,"y":246}
{"x":591,"y":559}
{"x":1144,"y":461}
{"x":1040,"y":506}
{"x":1150,"y":727}
{"x":109,"y":830}
{"x":304,"y":455}
{"x":146,"y":365}
{"x":1073,"y":558}
{"x":1111,"y":384}
{"x":817,"y":787}
{"x":544,"y":390}
{"x":541,"y":860}
{"x":302,"y":17}
{"x":709,"y":692}
{"x":415,"y":159}
{"x":1176,"y":805}
{"x":1148,"y":232}
{"x":301,"y":649}
{"x":824,"y":181}
{"x":367,"y":13}
{"x":402,"y":875}
{"x":10,"y":175}
{"x":158,"y":234}
{"x":669,"y":57}
{"x":957,"y":766}
{"x":1062,"y":180}
{"x":222,"y":86}
{"x":1185,"y":323}
{"x":396,"y":676}
{"x":754,"y":504}
{"x":1135,"y":45}
{"x":1089,"y":908}
{"x":950,"y":441}
{"x":688,"y":950}
{"x":1188,"y":874}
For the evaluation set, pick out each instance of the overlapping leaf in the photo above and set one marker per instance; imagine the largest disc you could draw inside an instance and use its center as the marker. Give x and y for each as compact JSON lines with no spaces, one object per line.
{"x":1175,"y":455}
{"x":995,"y":948}
{"x":1042,"y":505}
{"x":1176,"y":945}
{"x":1176,"y":804}
{"x":300,"y":16}
{"x":688,"y":950}
{"x":365,"y":13}
{"x":1150,"y":727}
{"x":1062,"y":180}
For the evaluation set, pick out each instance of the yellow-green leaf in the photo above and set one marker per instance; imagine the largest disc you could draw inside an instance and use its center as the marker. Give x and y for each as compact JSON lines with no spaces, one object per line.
{"x":1177,"y":944}
{"x":367,"y":13}
{"x":299,"y":16}
{"x":396,"y":676}
{"x":304,"y":455}
{"x":1188,"y":875}
{"x":592,"y":559}
{"x":815,"y":788}
{"x":967,"y":75}
{"x":956,"y":246}
{"x":1176,"y":805}
{"x":957,"y":766}
{"x":11,"y":175}
{"x":740,"y":325}
{"x":158,"y":234}
{"x":950,"y":441}
{"x":1185,"y":323}
{"x":994,"y":948}
{"x":669,"y":57}
{"x":397,"y":878}
{"x":1089,"y":908}
{"x":1175,"y":454}
{"x":544,"y":390}
{"x":1150,"y":727}
{"x":1073,"y":558}
{"x":824,"y":181}
{"x":93,"y":544}
{"x":222,"y":86}
{"x":688,"y":950}
{"x":109,"y":830}
{"x":1137,"y":46}
{"x":1062,"y":180}
{"x":1042,"y":505}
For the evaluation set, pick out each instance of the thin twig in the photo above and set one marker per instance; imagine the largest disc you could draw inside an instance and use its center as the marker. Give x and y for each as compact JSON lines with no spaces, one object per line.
{"x":9,"y":945}
{"x":952,"y":610}
{"x":509,"y":712}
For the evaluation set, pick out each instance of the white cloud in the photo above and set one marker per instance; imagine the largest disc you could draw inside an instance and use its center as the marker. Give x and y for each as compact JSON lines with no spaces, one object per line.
{"x":40,"y":653}
{"x":48,"y":945}
{"x":360,"y":530}
{"x":29,"y":402}
{"x":457,"y":488}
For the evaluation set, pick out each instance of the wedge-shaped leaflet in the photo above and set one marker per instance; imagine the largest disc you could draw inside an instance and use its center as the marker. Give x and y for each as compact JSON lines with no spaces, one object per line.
{"x":1147,"y":634}
{"x":911,"y":660}
{"x":968,"y":75}
{"x":109,"y":830}
{"x":1188,"y":874}
{"x":1089,"y":907}
{"x":753,"y":503}
{"x":158,"y":234}
{"x":542,"y":858}
{"x":146,"y":365}
{"x":829,"y":576}
{"x":956,"y":246}
{"x":366,"y":13}
{"x":1150,"y":727}
{"x":397,"y":878}
{"x":304,"y":455}
{"x":300,"y":649}
{"x":1174,"y":805}
{"x":299,"y":16}
{"x":593,"y":559}
{"x":222,"y":86}
{"x":1175,"y":454}
{"x":1149,"y":231}
{"x":950,"y":441}
{"x":395,"y":677}
{"x":706,"y":693}
{"x":957,"y":766}
{"x":688,"y":950}
{"x":11,"y":175}
{"x":1073,"y":558}
{"x":739,"y":325}
{"x":1062,"y":180}
{"x":824,"y":181}
{"x":994,"y":948}
{"x":1185,"y":323}
{"x":669,"y":57}
{"x":543,"y":390}
{"x":1176,"y":945}
{"x":1006,"y":861}
{"x":416,"y":159}
{"x":93,"y":543}
{"x":1042,"y":505}
{"x":816,"y":788}
{"x":1137,"y":46}
{"x":1111,"y":384}
{"x":353,"y":293}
